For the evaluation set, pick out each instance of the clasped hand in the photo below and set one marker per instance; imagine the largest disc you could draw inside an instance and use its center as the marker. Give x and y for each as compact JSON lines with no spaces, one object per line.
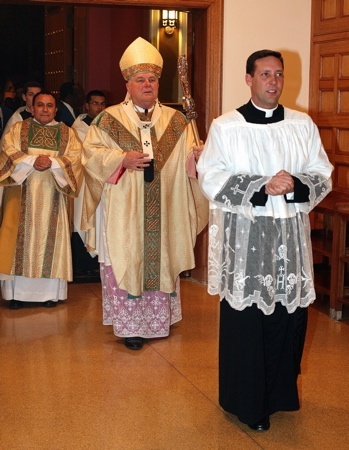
{"x":282,"y":183}
{"x":42,"y":163}
{"x":136,"y":160}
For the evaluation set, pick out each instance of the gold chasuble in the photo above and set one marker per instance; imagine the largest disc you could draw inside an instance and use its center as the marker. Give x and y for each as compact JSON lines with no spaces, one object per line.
{"x":35,"y":230}
{"x":151,"y":227}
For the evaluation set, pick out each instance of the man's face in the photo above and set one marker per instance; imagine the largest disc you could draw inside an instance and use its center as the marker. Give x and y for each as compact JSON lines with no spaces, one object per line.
{"x":28,"y":97}
{"x":143,"y":89}
{"x":44,"y":109}
{"x":267,"y":83}
{"x":95,"y":106}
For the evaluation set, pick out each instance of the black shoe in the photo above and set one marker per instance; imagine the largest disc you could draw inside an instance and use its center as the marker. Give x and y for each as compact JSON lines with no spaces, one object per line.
{"x":49,"y":304}
{"x":134,"y":343}
{"x":261,"y":425}
{"x":15,"y":304}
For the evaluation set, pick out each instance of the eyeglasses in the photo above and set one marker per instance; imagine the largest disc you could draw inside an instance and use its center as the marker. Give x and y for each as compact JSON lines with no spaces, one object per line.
{"x":97,"y":103}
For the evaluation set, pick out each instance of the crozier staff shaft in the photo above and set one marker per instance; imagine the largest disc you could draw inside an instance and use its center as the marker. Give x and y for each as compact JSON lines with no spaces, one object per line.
{"x":187,"y":99}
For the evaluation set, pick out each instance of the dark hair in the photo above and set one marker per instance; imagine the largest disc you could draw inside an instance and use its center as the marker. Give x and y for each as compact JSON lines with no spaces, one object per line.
{"x":43,"y":92}
{"x":66,"y":89}
{"x":260,"y":54}
{"x":94,"y":93}
{"x":30,"y":84}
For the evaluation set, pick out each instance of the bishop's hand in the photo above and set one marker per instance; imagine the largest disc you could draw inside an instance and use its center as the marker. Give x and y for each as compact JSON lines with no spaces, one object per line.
{"x":136,"y":160}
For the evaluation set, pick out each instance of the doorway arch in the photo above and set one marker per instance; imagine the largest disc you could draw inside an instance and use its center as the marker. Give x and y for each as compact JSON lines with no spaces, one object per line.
{"x":208,"y":44}
{"x":208,"y":68}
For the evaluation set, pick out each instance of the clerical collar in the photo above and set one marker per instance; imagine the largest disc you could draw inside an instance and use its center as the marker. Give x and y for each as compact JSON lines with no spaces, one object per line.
{"x":268,"y":112}
{"x":253,"y":114}
{"x":142,"y":110}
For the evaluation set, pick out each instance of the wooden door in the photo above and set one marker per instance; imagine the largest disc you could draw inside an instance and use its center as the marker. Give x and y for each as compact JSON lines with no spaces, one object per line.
{"x":59,"y":27}
{"x":207,"y":71}
{"x":207,"y":65}
{"x":329,"y":108}
{"x":329,"y":83}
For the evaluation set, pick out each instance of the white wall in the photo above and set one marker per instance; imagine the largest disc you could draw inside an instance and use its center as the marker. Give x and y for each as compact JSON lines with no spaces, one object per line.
{"x":282,"y":25}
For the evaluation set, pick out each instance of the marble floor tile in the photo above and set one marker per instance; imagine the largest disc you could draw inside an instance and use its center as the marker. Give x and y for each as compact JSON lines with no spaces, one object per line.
{"x":66,"y":382}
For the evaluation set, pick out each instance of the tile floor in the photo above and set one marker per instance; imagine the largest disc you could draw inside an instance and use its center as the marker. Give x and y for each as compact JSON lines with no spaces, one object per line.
{"x":66,"y":382}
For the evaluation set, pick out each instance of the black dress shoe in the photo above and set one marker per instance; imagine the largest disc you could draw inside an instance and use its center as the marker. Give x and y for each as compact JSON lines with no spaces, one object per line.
{"x":49,"y":304}
{"x":15,"y":304}
{"x":261,"y":425}
{"x":134,"y":343}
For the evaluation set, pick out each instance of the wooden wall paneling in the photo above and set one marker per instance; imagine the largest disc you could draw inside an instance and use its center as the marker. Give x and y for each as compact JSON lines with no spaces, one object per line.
{"x":330,"y":16}
{"x":329,"y":103}
{"x":329,"y":107}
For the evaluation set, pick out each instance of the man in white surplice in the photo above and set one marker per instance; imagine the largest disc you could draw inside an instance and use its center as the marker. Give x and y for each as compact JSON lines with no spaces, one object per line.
{"x":263,"y":169}
{"x":83,"y":262}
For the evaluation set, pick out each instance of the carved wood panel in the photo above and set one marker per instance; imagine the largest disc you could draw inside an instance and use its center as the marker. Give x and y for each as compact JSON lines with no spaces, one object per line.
{"x":329,"y":104}
{"x":330,"y":16}
{"x":329,"y":107}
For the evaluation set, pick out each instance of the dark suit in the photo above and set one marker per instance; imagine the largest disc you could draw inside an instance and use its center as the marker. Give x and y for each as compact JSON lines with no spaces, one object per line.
{"x":64,"y":115}
{"x":6,"y":113}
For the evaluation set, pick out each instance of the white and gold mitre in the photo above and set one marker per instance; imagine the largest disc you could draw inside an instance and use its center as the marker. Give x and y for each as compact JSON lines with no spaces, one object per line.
{"x":140,"y":56}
